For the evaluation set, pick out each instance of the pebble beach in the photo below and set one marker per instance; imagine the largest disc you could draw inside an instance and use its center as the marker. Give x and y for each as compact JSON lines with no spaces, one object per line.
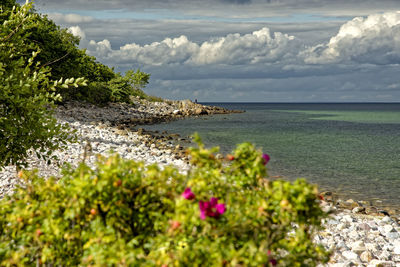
{"x":355,"y":236}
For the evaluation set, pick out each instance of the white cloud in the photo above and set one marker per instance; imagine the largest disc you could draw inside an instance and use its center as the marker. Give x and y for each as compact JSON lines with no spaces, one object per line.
{"x":77,"y":31}
{"x":374,"y":40}
{"x":169,"y":51}
{"x":69,"y":18}
{"x":233,"y":49}
{"x":102,"y":48}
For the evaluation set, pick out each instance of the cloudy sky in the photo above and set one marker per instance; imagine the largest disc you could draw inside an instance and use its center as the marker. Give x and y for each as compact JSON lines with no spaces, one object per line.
{"x":245,"y":50}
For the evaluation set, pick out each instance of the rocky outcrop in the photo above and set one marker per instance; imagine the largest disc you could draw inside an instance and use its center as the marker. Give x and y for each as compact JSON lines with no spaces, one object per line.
{"x":188,"y":108}
{"x":139,"y":112}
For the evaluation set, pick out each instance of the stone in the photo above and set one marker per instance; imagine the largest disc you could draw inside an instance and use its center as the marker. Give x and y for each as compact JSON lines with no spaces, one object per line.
{"x":348,"y":218}
{"x":341,"y":245}
{"x":392,"y":235}
{"x":364,"y":227}
{"x":371,"y":247}
{"x":366,"y":256}
{"x":386,"y":219}
{"x":358,"y":210}
{"x":388,"y":228}
{"x":354,"y":234}
{"x":327,"y":196}
{"x":384,"y":212}
{"x":384,"y":255}
{"x":122,"y":132}
{"x":380,"y":263}
{"x":200,"y":111}
{"x":350,"y":255}
{"x":341,"y":226}
{"x":327,"y":208}
{"x":358,"y":247}
{"x":140,"y":131}
{"x":396,"y":245}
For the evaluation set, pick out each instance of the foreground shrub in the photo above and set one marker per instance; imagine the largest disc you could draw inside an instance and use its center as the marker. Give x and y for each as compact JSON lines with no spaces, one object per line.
{"x":222,"y":213}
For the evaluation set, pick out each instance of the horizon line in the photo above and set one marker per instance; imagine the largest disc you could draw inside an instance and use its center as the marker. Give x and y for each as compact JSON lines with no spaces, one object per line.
{"x":322,"y":102}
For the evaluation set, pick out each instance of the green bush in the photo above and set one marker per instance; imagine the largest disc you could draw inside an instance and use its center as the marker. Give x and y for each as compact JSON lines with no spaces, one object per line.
{"x":27,"y":94}
{"x":59,"y":52}
{"x":131,"y":84}
{"x":222,"y":213}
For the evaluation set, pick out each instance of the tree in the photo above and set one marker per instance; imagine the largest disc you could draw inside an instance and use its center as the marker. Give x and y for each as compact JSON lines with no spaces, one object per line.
{"x":59,"y":51}
{"x":27,"y":94}
{"x":131,"y":84}
{"x":138,"y":80}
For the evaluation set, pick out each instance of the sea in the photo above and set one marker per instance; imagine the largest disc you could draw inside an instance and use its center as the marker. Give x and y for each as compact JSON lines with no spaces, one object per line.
{"x":352,"y":149}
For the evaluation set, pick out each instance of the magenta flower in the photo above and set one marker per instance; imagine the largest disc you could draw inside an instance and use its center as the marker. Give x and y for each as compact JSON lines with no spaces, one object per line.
{"x":211,"y":208}
{"x":273,"y":262}
{"x":188,"y":194}
{"x":266,"y":158}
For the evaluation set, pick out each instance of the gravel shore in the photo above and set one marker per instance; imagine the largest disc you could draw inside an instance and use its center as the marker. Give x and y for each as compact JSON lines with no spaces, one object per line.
{"x":356,"y":239}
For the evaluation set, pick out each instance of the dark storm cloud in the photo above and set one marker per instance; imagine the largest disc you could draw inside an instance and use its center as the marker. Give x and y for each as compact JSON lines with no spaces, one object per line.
{"x":231,"y":8}
{"x":237,"y":1}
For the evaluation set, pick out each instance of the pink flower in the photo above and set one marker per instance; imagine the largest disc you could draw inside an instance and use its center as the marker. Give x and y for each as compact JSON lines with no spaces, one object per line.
{"x":211,"y":208}
{"x":188,"y":194}
{"x":272,"y":261}
{"x":266,"y":158}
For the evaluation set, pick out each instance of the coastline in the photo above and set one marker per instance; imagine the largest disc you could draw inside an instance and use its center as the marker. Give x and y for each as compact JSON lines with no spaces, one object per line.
{"x":119,"y":127}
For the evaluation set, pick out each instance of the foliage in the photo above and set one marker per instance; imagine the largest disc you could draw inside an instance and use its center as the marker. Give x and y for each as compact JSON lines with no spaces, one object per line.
{"x":5,"y":9}
{"x":222,"y":213}
{"x":59,"y":51}
{"x":27,"y":94}
{"x":132,"y":84}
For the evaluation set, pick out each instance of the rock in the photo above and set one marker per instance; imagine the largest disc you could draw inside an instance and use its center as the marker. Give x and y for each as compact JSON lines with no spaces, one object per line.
{"x":386,"y":219}
{"x":348,"y":218}
{"x":371,"y":247}
{"x":186,"y":104}
{"x":177,"y":112}
{"x":350,"y":255}
{"x":358,"y":247}
{"x":354,"y":234}
{"x":384,"y":212}
{"x":341,"y":226}
{"x":388,"y":228}
{"x":140,"y":131}
{"x":396,"y":249}
{"x":326,"y":207}
{"x":392,"y":235}
{"x":200,"y":111}
{"x":364,"y":227}
{"x":380,"y":263}
{"x":366,"y":256}
{"x":121,"y":132}
{"x":358,"y":210}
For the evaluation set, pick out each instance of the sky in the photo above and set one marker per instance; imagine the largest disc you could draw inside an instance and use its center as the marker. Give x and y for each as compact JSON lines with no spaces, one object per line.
{"x":245,"y":50}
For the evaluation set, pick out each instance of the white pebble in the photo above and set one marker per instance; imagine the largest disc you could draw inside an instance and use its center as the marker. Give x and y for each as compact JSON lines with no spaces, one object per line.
{"x":350,"y":255}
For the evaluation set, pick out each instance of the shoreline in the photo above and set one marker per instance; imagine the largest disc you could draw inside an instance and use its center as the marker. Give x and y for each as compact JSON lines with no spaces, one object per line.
{"x":120,"y":127}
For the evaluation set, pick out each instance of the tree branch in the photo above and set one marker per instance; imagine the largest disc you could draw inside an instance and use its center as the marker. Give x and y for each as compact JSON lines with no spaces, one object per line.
{"x":56,"y":60}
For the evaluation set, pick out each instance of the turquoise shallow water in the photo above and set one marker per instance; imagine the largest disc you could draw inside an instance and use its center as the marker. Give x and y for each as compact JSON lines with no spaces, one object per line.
{"x":352,"y":149}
